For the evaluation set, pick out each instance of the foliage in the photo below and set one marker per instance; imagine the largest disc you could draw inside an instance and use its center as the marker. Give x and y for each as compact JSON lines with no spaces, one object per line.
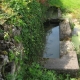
{"x":1,"y":31}
{"x":67,"y":5}
{"x":36,"y":72}
{"x":17,"y":38}
{"x":6,"y":35}
{"x":8,"y":77}
{"x":72,"y":25}
{"x":29,"y":15}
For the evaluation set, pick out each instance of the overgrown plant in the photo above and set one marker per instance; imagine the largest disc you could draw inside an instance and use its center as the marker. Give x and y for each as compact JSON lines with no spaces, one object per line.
{"x":29,"y":15}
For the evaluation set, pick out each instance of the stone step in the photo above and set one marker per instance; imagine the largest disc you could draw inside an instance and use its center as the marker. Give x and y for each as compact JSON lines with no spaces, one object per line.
{"x":66,"y":62}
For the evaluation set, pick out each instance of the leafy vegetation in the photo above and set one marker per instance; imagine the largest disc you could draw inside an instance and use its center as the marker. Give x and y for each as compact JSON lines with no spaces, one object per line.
{"x":29,"y":15}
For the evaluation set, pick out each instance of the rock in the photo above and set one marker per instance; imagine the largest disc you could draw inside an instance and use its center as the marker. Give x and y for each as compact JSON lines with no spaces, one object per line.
{"x":3,"y":52}
{"x":1,"y":36}
{"x":66,"y":47}
{"x":15,"y":31}
{"x":59,"y":13}
{"x":1,"y":27}
{"x":12,"y":40}
{"x":65,"y":30}
{"x":4,"y":47}
{"x":0,"y":75}
{"x":9,"y":68}
{"x":7,"y":27}
{"x":4,"y":59}
{"x":1,"y":41}
{"x":7,"y":45}
{"x":1,"y":60}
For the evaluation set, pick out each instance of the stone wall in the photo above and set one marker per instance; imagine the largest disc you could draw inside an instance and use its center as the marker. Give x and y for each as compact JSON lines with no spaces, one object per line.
{"x":9,"y":46}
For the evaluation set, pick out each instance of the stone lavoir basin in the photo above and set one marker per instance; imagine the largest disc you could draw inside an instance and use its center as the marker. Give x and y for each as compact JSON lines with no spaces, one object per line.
{"x":59,"y":52}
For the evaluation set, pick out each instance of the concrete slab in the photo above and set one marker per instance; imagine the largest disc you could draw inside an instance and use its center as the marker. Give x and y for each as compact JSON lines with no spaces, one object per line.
{"x":66,"y":62}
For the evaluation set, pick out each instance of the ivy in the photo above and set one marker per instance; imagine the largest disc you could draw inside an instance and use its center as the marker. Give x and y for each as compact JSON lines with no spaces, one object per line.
{"x":32,"y":33}
{"x":29,"y":15}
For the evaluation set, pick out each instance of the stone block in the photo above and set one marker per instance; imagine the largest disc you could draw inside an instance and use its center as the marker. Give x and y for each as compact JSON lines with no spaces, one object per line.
{"x":65,"y":30}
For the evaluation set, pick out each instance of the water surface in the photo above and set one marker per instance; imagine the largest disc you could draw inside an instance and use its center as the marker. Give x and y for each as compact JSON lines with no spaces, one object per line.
{"x":52,"y":43}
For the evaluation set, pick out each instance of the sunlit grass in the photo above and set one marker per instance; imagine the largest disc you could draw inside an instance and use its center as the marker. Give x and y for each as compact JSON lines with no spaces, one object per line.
{"x":67,"y":5}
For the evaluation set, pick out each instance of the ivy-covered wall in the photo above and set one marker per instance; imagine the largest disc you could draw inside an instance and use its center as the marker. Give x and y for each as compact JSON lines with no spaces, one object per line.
{"x":22,"y":21}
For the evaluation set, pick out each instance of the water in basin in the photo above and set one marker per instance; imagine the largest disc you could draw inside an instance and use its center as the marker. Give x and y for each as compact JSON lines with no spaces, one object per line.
{"x":51,"y":49}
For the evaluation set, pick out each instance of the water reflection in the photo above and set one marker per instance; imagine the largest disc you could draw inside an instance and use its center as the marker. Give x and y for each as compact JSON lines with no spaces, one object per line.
{"x":52,"y":43}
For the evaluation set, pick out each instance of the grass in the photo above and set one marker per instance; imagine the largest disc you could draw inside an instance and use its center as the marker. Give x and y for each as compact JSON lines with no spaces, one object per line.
{"x":71,"y":4}
{"x":67,"y":5}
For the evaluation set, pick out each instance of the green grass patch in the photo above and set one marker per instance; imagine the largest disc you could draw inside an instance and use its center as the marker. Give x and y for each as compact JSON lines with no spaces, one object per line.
{"x":68,"y":5}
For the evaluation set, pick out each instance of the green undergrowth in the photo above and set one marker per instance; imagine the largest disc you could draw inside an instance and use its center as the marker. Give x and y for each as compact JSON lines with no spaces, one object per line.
{"x":29,"y":15}
{"x":36,"y":72}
